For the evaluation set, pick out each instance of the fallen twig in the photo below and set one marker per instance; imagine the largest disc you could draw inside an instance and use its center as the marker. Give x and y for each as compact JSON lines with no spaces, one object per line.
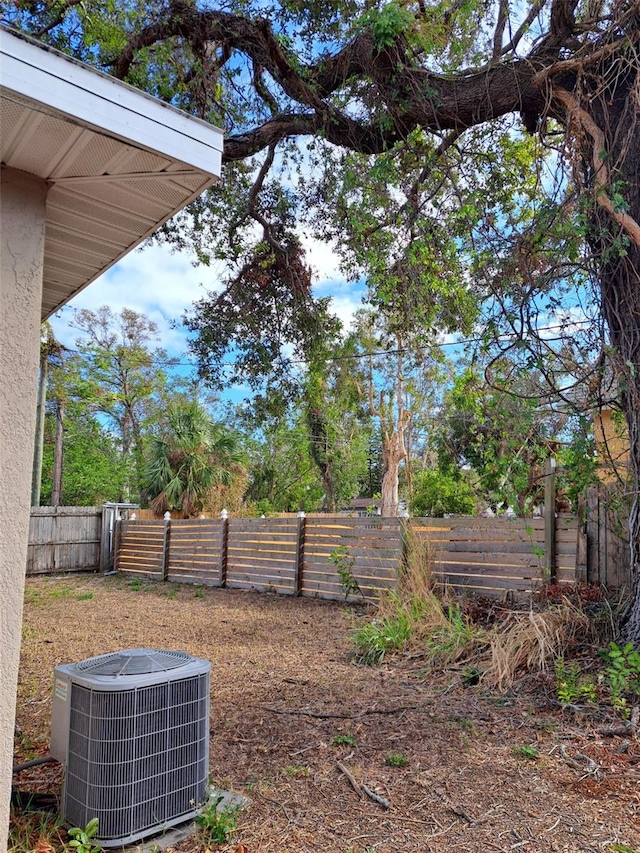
{"x":354,"y":784}
{"x":362,"y":789}
{"x":625,"y":727}
{"x":338,"y":716}
{"x":581,"y":761}
{"x":376,"y":797}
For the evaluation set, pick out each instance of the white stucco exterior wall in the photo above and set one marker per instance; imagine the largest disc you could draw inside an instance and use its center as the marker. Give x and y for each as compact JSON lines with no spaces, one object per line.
{"x":22,"y":226}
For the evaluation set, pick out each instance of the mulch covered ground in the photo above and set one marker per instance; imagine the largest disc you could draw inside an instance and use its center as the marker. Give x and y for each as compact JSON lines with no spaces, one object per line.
{"x":447,"y":767}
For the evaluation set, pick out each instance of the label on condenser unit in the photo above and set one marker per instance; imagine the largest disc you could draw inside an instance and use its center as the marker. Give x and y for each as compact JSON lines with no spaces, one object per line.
{"x":60,"y":689}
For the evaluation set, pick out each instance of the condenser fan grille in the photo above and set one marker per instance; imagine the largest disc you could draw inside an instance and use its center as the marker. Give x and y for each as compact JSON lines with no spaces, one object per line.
{"x":134,"y":662}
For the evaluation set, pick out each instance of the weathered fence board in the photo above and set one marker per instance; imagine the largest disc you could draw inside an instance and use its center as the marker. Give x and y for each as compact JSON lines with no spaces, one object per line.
{"x":300,"y":556}
{"x":63,"y":539}
{"x":262,"y":553}
{"x":140,"y":548}
{"x":373,"y":556}
{"x":495,"y":554}
{"x":608,"y":552}
{"x":195,"y":551}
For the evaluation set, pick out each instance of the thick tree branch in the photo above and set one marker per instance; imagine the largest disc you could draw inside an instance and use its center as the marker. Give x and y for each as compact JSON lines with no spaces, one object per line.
{"x":580,"y":117}
{"x":413,"y":97}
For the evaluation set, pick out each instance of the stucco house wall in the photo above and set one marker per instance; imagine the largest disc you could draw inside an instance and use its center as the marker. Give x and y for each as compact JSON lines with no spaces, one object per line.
{"x":90,"y":168}
{"x":22,"y":230}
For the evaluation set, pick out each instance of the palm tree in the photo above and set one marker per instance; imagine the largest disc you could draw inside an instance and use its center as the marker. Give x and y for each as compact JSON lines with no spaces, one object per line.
{"x":190,"y":459}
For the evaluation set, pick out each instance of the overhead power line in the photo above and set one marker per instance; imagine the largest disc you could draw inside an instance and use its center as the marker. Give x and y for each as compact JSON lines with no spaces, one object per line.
{"x":376,"y":353}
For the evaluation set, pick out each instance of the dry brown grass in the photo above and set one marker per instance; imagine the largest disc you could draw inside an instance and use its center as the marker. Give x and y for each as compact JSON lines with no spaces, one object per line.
{"x":284,"y":685}
{"x":530,"y":641}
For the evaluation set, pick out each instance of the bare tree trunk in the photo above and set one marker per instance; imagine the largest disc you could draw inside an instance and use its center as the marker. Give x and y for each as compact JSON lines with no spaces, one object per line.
{"x":393,"y":429}
{"x":393,"y":452}
{"x":58,"y":455}
{"x":618,"y":243}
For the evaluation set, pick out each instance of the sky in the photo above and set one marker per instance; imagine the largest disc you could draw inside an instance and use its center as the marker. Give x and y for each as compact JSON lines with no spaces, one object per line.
{"x":162,"y":285}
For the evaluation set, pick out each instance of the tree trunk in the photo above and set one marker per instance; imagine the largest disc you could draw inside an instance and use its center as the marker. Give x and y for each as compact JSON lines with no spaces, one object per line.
{"x":319,"y":441}
{"x":618,"y":113}
{"x":393,"y":452}
{"x":58,"y":453}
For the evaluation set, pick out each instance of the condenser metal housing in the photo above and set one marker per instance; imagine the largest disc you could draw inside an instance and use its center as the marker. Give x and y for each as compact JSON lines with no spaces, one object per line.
{"x":132,"y":730}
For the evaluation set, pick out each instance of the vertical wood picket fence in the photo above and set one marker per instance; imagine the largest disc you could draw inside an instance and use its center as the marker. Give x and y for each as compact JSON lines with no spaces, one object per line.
{"x":63,"y":539}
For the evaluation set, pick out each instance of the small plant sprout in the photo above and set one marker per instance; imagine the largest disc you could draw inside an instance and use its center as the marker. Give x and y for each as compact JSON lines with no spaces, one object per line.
{"x":344,"y":563}
{"x":218,"y":825}
{"x":82,"y":839}
{"x":571,"y":686}
{"x":345,"y":740}
{"x":525,"y":751}
{"x":396,"y":759}
{"x":294,"y":771}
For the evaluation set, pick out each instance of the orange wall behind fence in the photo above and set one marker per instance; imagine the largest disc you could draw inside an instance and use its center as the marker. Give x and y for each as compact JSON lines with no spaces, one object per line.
{"x":612,"y":445}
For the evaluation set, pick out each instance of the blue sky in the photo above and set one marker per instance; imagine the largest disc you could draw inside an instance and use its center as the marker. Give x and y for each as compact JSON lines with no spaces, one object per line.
{"x":162,"y":285}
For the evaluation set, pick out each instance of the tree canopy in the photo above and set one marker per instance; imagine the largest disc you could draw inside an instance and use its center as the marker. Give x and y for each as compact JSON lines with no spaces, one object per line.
{"x":498,"y":140}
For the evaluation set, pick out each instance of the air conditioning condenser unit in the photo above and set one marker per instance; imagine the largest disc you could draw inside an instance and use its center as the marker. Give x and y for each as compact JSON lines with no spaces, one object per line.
{"x":132,"y":730}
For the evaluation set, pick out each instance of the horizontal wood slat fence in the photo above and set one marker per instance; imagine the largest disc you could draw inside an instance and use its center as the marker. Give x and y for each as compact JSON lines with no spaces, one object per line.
{"x":294,"y":555}
{"x":492,"y":556}
{"x":63,"y":539}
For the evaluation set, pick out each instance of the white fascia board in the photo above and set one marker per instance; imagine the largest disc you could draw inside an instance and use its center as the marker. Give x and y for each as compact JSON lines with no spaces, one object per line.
{"x":95,"y":100}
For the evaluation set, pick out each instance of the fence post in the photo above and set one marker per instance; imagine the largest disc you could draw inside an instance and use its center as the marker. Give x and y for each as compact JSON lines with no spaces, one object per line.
{"x":581,"y":544}
{"x":550,"y":519}
{"x":224,"y":546}
{"x":114,"y":548}
{"x":107,"y":549}
{"x":165,"y":545}
{"x":299,"y":569}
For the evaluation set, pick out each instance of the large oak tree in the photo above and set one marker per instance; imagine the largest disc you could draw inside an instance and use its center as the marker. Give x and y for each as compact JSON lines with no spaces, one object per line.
{"x":435,"y":84}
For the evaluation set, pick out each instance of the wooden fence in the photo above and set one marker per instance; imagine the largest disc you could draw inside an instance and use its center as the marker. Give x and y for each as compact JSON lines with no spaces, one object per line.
{"x":285,"y":555}
{"x":63,"y":539}
{"x":297,"y":556}
{"x":608,"y":554}
{"x":495,"y":555}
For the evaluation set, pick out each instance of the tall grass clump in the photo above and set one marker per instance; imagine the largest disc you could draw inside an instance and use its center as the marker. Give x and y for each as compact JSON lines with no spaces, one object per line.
{"x":418,"y":616}
{"x":36,"y":831}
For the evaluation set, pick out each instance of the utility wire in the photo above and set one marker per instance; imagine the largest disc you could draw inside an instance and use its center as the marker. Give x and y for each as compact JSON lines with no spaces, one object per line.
{"x":375,"y":353}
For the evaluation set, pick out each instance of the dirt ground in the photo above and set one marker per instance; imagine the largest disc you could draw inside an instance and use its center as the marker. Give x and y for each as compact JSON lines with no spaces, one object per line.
{"x":285,"y":688}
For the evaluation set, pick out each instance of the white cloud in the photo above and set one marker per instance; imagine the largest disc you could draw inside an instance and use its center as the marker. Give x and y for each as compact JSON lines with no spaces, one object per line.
{"x":152,"y":281}
{"x":162,"y":285}
{"x":323,"y":260}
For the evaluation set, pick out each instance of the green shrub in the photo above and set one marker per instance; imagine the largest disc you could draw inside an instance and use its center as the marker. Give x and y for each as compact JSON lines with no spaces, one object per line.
{"x":436,"y":493}
{"x":344,"y":563}
{"x":82,"y":839}
{"x":218,"y":826}
{"x":622,"y":674}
